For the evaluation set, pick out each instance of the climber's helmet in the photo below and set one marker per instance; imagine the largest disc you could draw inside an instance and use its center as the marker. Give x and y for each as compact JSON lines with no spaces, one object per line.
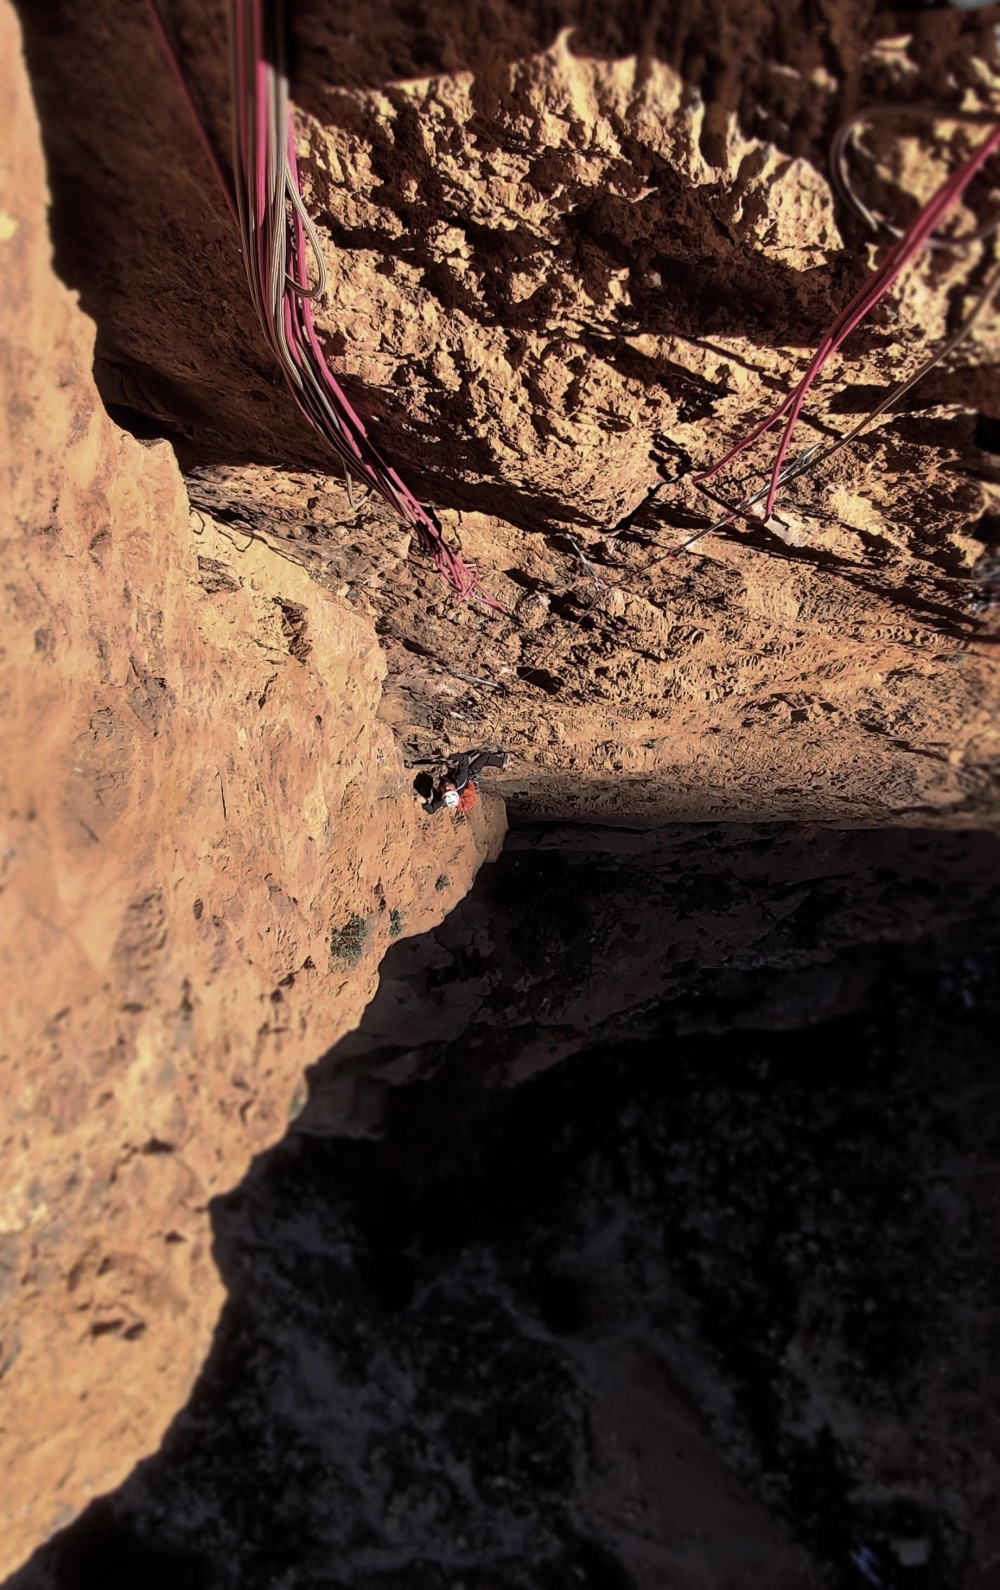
{"x":451,"y":797}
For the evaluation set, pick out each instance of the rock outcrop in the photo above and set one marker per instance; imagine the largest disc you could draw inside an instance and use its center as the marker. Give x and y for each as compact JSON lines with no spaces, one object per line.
{"x":573,"y":254}
{"x":208,"y":842}
{"x":507,"y":1343}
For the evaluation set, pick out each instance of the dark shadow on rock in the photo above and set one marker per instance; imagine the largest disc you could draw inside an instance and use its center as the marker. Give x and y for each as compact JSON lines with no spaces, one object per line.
{"x":577,"y":932}
{"x":99,"y":1551}
{"x":742,"y":1247}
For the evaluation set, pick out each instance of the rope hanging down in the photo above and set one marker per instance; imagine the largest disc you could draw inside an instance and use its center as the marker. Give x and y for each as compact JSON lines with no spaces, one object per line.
{"x":816,"y":455}
{"x":277,"y":235}
{"x":916,"y":237}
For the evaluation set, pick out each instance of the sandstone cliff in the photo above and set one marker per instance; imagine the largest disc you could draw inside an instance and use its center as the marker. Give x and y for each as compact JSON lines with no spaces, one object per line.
{"x":209,"y":841}
{"x":579,"y":934}
{"x":727,"y":1276}
{"x":571,"y":252}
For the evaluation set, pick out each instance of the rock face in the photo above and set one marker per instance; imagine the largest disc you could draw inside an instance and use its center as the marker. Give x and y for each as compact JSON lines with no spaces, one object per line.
{"x":573,"y":256}
{"x":209,"y":841}
{"x":581,"y":936}
{"x":636,"y":689}
{"x":728,"y":1276}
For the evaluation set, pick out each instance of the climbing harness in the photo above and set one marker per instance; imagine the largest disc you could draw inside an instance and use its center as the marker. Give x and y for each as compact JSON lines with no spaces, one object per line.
{"x":462,"y":774}
{"x":278,"y":236}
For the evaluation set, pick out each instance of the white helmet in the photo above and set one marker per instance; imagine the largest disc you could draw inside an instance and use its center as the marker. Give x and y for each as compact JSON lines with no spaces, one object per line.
{"x":450,"y":797}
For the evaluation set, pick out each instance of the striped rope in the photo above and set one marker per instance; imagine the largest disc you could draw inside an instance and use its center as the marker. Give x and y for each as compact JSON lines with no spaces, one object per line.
{"x":278,"y":236}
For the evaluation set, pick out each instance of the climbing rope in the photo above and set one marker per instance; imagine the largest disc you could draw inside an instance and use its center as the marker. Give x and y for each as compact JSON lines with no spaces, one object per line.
{"x":818,"y":454}
{"x":846,"y":138}
{"x":917,"y":236}
{"x":278,"y":237}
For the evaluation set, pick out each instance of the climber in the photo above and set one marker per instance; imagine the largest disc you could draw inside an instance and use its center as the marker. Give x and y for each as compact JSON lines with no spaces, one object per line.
{"x":459,"y":788}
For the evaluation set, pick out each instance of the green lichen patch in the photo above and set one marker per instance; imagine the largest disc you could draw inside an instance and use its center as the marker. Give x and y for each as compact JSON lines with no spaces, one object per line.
{"x":347,"y":943}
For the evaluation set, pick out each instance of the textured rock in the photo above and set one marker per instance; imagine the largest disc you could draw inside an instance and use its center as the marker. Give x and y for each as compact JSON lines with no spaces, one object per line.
{"x":737,"y":686}
{"x":505,"y":1345}
{"x":566,"y":268}
{"x":572,"y":256}
{"x":208,"y":842}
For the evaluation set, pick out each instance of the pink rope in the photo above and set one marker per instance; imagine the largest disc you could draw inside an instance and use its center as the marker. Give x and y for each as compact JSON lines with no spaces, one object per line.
{"x":263,"y":159}
{"x":202,"y":131}
{"x":899,"y":256}
{"x":462,"y":577}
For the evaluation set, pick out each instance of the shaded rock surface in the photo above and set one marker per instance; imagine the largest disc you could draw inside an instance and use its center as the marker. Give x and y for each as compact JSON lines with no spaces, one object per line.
{"x":580,"y":933}
{"x":712,"y":1304}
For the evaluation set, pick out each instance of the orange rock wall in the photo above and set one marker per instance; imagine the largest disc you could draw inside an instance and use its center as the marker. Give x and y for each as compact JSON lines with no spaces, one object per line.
{"x":208,"y":842}
{"x":566,"y":268}
{"x":574,"y":253}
